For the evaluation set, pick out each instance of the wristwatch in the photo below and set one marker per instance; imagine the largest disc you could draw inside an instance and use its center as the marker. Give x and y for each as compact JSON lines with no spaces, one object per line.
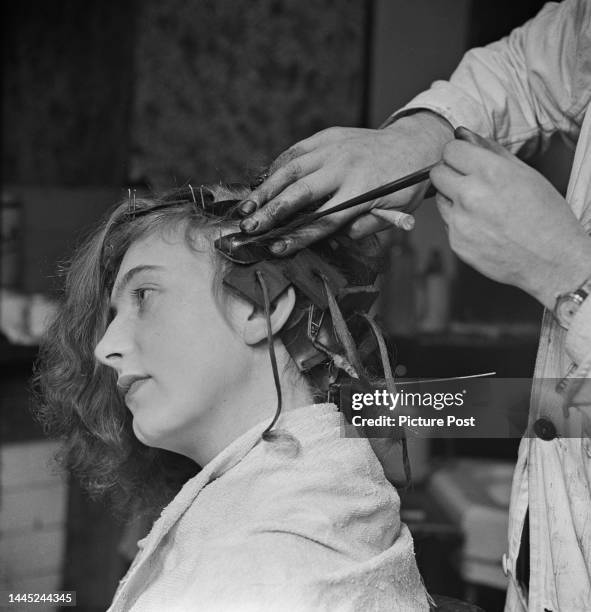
{"x":568,"y":304}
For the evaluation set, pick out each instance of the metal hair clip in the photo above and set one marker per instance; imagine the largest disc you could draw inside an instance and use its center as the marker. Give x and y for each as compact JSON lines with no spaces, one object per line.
{"x":315,"y":319}
{"x":129,"y":210}
{"x":193,"y":196}
{"x":222,"y":209}
{"x":241,"y":249}
{"x":131,"y":203}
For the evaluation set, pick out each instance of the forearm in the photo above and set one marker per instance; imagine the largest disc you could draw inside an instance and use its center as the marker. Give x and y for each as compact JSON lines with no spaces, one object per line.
{"x":429,"y":131}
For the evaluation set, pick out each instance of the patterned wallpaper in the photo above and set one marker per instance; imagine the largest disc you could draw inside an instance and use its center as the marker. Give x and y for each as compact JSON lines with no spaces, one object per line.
{"x":223,"y":86}
{"x":66,"y":87}
{"x":101,"y":93}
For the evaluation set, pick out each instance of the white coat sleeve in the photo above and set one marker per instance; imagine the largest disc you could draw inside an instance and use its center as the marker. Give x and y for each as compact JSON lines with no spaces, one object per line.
{"x":524,"y":87}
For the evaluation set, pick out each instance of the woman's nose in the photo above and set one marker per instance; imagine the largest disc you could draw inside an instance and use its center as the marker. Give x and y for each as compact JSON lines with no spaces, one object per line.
{"x":114,"y":345}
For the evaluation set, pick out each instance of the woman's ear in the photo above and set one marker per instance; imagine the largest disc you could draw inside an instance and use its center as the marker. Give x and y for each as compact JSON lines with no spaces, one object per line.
{"x":254,"y":329}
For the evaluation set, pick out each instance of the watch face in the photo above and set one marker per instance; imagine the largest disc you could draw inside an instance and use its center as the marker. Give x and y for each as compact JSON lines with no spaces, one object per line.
{"x":566,"y":309}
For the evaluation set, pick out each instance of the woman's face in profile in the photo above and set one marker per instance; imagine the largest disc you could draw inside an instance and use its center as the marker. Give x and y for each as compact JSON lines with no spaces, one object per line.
{"x":168,"y":332}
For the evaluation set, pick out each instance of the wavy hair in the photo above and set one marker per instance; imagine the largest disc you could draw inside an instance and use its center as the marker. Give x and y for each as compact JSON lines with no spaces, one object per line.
{"x":76,"y":396}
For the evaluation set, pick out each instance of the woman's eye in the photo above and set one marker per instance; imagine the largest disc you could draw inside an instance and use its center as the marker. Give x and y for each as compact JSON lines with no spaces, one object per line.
{"x":140,"y":295}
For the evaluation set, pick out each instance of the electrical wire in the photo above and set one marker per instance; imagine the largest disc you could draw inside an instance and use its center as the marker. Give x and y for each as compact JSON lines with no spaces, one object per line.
{"x":266,"y":435}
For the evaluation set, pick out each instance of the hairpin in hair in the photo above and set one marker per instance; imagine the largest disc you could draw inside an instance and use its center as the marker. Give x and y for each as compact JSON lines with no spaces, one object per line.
{"x":193,"y":196}
{"x":202,"y":199}
{"x":131,"y":203}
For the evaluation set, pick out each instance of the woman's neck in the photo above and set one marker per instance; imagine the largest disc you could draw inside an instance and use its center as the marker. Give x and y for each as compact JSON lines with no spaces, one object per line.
{"x":248,"y":404}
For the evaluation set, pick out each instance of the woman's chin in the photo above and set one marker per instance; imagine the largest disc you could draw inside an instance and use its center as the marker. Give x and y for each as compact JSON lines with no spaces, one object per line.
{"x":147,"y":435}
{"x":140,"y":435}
{"x":155,"y":437}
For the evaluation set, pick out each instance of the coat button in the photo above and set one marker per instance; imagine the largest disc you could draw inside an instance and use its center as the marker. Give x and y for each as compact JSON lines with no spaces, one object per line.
{"x":506,"y":564}
{"x":545,"y":429}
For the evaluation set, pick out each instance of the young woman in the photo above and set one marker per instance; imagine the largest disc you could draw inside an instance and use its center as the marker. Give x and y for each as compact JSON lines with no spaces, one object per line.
{"x":153,"y":368}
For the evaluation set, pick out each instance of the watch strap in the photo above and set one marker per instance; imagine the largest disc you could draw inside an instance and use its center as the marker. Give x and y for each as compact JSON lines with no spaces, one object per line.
{"x":576,"y":297}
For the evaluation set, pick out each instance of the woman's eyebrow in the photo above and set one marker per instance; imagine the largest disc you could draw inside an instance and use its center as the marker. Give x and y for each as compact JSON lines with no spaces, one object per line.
{"x":128,"y":277}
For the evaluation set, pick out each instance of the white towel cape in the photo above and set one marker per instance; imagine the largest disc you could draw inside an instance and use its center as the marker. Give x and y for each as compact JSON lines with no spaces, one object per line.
{"x":266,"y":526}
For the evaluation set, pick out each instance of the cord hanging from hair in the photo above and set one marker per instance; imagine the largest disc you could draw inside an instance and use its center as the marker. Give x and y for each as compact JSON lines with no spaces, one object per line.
{"x":385,"y":359}
{"x":266,"y":435}
{"x":389,"y":377}
{"x":342,"y":331}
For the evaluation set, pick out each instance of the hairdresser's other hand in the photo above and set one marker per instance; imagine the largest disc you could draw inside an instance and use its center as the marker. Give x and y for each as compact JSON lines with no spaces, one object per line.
{"x":340,"y":163}
{"x":507,"y":221}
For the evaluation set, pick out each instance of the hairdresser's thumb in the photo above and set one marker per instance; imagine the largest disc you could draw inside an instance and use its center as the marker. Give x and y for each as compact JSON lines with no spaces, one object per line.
{"x":463,"y":133}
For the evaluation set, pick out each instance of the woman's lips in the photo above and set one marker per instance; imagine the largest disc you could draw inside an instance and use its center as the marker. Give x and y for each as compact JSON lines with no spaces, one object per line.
{"x":134,"y":387}
{"x":129,"y":383}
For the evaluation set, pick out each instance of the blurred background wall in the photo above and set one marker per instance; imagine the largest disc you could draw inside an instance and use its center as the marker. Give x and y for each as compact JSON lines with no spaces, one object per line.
{"x":67,"y":85}
{"x":103,"y":93}
{"x":222,"y":87}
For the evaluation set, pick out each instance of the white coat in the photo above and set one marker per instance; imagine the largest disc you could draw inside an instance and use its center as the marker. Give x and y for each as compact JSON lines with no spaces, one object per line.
{"x":519,"y":91}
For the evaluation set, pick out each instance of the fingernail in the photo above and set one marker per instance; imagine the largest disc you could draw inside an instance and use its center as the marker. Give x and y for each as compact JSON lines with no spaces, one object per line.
{"x":248,"y":225}
{"x":463,"y":133}
{"x":248,"y":207}
{"x":278,"y":247}
{"x":407,"y":223}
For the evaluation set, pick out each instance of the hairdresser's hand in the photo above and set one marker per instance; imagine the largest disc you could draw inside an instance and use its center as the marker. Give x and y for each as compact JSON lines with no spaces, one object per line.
{"x":507,"y":221}
{"x":340,"y":163}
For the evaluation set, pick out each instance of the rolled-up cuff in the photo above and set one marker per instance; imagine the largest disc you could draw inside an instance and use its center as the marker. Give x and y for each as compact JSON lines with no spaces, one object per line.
{"x":452,"y":104}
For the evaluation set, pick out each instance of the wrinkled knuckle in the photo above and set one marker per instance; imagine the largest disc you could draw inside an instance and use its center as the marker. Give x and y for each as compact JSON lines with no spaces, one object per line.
{"x":259,"y":195}
{"x":306,"y":191}
{"x":293,"y":170}
{"x":268,"y":212}
{"x":323,"y":226}
{"x":285,"y":158}
{"x":278,"y":207}
{"x":277,"y":163}
{"x":385,"y":202}
{"x":300,"y":239}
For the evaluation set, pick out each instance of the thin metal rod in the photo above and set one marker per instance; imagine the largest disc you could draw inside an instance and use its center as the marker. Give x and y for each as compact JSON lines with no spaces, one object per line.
{"x":240,"y":239}
{"x":402,"y":183}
